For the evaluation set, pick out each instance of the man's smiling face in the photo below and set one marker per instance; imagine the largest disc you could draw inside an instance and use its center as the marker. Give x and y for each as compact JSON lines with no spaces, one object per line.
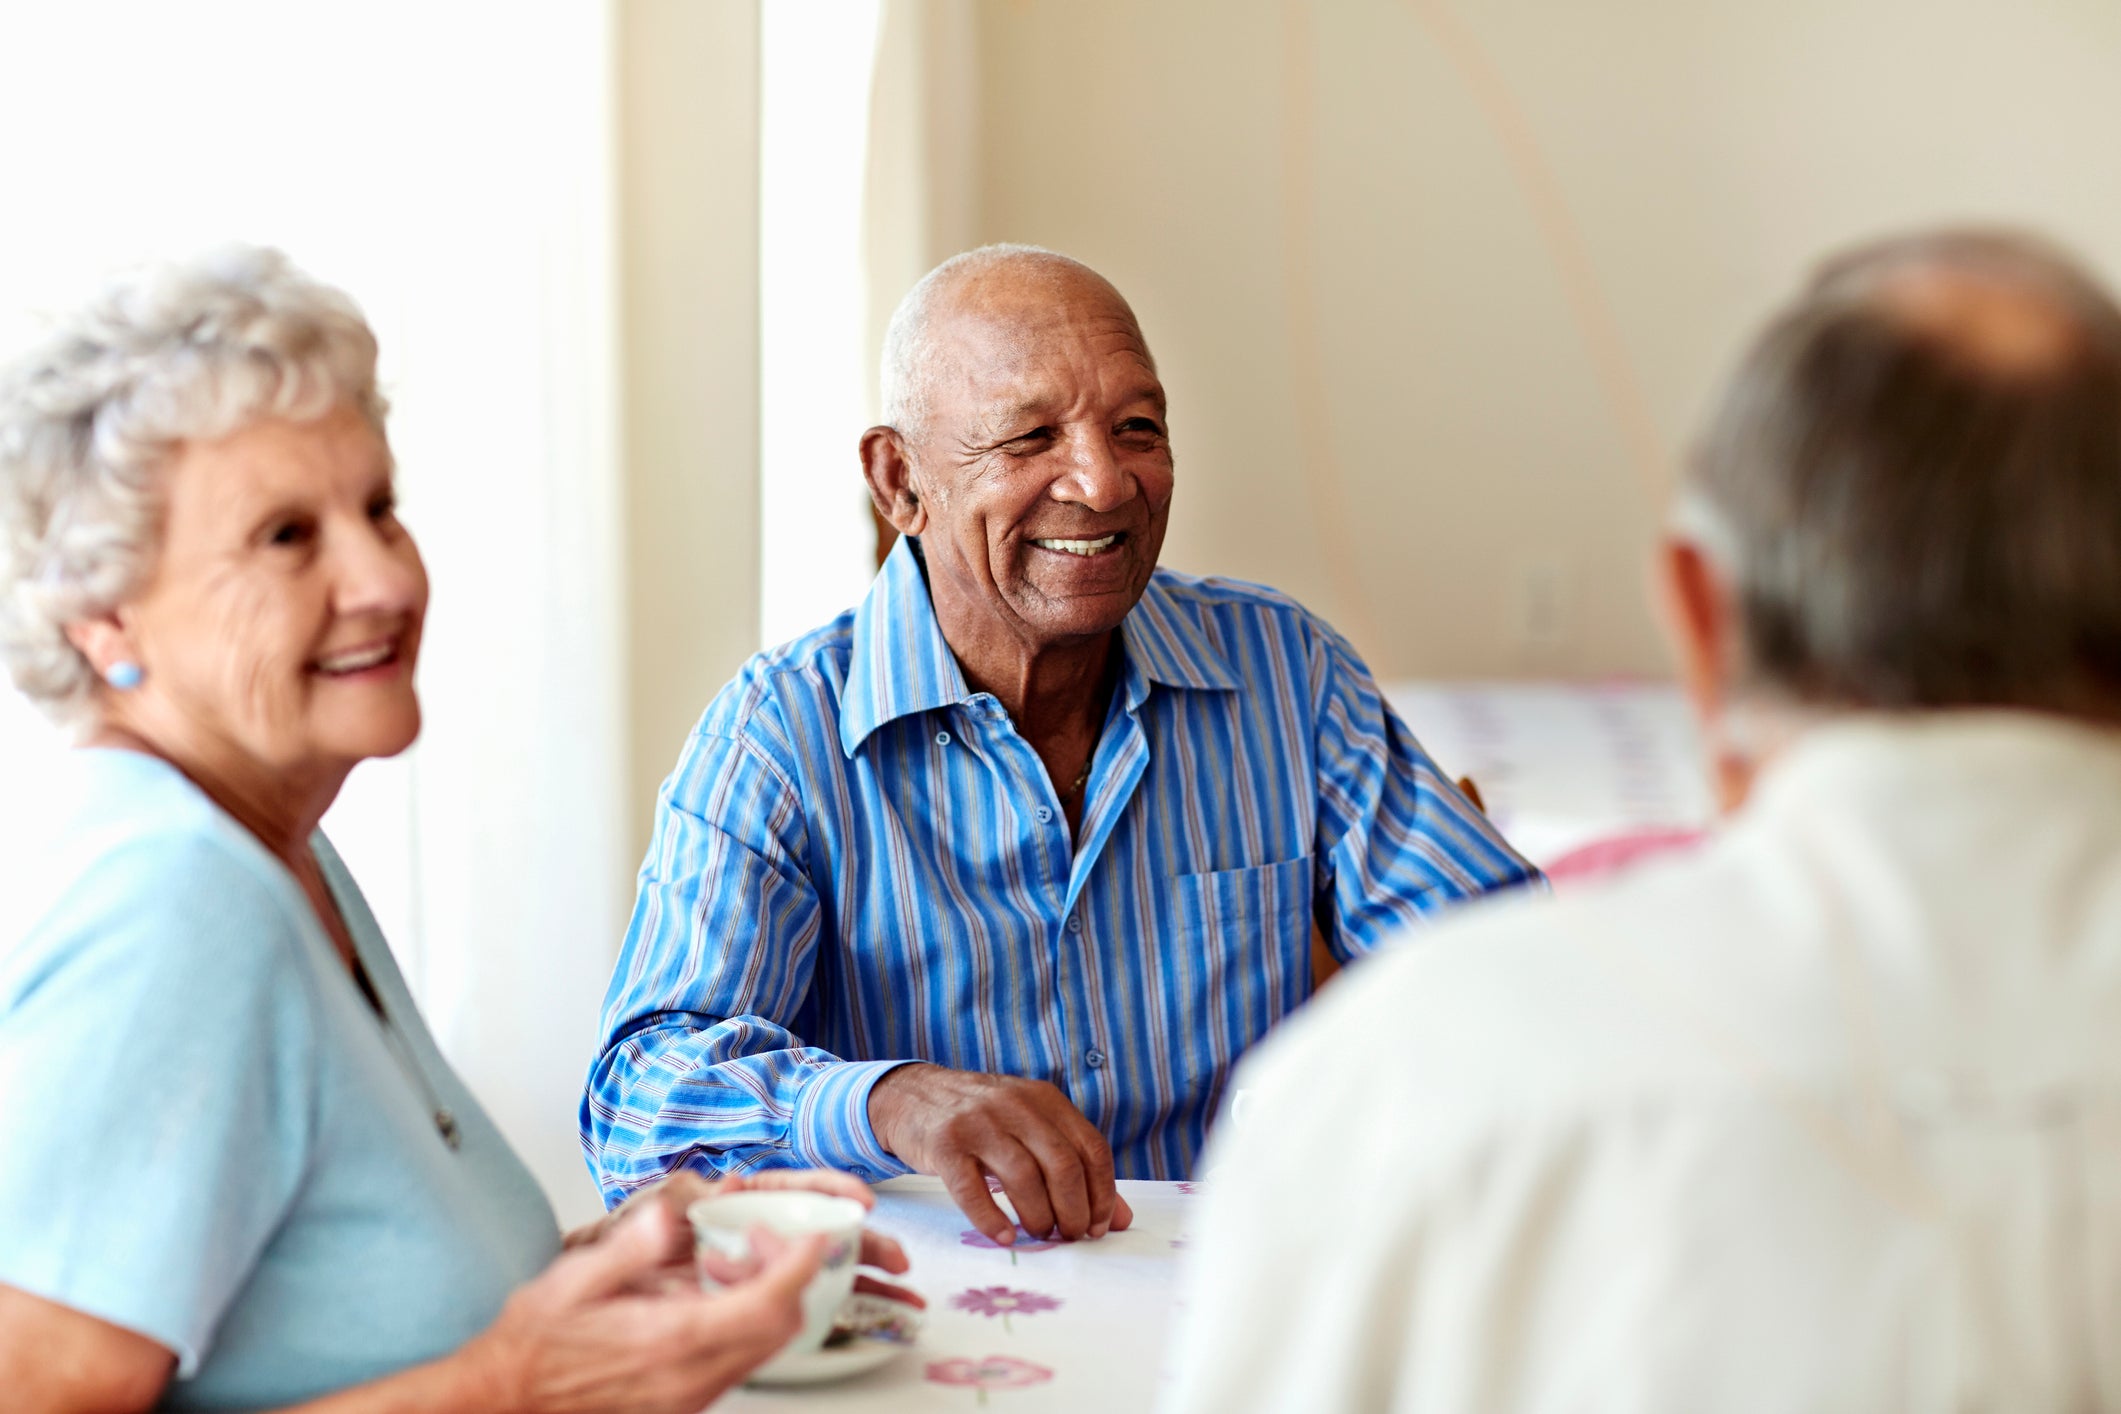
{"x":1042,"y":461}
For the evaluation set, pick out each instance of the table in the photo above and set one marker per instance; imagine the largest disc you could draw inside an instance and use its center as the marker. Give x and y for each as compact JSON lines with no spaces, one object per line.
{"x":1050,"y":1326}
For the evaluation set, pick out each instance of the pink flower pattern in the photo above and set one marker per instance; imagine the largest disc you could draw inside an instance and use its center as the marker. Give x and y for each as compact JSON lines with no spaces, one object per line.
{"x":1003,"y":1302}
{"x":993,"y":1372}
{"x":1025,"y":1242}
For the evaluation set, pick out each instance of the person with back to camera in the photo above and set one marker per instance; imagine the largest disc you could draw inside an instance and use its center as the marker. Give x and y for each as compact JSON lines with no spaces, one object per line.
{"x":237,"y":1174}
{"x":1825,"y":1115}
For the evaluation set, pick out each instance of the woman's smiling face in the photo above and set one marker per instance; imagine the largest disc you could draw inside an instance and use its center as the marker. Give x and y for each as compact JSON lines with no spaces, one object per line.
{"x":281,"y":623}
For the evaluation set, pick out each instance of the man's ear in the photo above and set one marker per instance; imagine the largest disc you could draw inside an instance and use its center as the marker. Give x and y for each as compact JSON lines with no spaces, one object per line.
{"x":1699,"y":618}
{"x":1699,"y":611}
{"x":889,"y":472}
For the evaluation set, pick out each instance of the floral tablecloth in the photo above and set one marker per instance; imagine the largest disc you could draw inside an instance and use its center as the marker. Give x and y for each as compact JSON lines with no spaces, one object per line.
{"x":1048,"y":1326}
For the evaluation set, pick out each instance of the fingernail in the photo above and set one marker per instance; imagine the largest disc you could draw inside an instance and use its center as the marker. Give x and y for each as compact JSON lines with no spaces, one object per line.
{"x":1006,"y":1237}
{"x":1100,"y":1229}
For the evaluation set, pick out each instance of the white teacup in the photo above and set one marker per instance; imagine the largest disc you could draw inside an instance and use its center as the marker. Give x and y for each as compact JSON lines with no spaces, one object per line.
{"x":721,"y":1228}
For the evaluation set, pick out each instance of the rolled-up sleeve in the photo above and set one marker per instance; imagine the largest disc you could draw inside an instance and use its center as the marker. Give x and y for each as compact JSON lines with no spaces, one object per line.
{"x":701,"y":1063}
{"x":1396,"y":839}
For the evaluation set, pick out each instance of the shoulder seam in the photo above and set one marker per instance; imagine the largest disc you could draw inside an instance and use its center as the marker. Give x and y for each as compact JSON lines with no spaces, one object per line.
{"x":753,"y":750}
{"x":753,"y":687}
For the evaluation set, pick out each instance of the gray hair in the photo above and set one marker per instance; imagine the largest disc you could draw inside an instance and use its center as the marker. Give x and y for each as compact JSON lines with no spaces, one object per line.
{"x":1913,"y":483}
{"x":192,"y":351}
{"x":910,"y":345}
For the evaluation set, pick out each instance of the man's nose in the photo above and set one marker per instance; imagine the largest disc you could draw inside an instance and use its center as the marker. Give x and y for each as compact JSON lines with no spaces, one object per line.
{"x":1095,"y":477}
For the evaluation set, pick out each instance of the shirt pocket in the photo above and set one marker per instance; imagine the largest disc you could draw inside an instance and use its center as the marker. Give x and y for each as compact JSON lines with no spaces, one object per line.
{"x":1245,"y":938}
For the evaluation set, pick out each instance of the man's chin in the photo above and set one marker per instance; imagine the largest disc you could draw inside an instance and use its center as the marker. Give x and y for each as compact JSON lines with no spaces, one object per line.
{"x":1082,"y":616}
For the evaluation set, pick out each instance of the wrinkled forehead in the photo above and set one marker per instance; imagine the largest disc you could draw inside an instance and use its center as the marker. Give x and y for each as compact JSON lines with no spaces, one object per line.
{"x":276,"y":460}
{"x":1054,"y":345}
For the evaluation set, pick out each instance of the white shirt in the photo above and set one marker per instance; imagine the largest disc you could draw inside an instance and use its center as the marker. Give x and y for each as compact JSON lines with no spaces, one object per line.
{"x":1824,"y":1116}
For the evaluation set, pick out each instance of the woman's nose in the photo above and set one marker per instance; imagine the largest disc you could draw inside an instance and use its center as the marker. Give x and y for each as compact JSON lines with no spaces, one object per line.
{"x":381,"y":572}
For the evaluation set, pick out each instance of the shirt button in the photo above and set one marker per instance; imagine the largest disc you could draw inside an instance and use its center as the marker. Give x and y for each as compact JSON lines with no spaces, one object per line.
{"x":1095,"y":1060}
{"x":1044,"y":815}
{"x":942,"y":738}
{"x":1075,"y":923}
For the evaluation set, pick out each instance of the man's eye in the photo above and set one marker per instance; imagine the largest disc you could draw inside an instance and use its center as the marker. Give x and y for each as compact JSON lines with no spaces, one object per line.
{"x":383,"y":508}
{"x":1141,"y":426}
{"x":1024,"y":441}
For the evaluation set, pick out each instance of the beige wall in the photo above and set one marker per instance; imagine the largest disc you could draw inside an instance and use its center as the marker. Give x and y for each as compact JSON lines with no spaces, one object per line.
{"x":688,"y":203}
{"x":1306,"y":196}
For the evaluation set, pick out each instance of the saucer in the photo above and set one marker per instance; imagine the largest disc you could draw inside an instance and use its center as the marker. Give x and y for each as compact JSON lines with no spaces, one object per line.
{"x":871,"y":1332}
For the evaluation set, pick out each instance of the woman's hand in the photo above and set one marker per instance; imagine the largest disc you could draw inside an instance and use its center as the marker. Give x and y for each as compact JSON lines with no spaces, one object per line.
{"x":618,"y":1325}
{"x":595,"y":1334}
{"x":684,"y":1188}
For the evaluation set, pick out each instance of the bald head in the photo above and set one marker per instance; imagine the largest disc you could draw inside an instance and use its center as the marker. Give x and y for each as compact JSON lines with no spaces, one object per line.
{"x":1996,"y":303}
{"x":1914,"y":482}
{"x":994,"y":287}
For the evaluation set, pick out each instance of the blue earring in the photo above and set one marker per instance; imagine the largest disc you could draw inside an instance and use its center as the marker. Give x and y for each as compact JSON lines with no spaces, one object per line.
{"x":124,"y":676}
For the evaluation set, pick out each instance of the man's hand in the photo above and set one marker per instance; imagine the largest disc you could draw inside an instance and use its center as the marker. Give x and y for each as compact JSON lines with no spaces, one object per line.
{"x":961,"y":1126}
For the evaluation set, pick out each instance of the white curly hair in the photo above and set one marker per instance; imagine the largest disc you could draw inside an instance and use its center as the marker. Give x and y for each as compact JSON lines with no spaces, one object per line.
{"x":190,"y":351}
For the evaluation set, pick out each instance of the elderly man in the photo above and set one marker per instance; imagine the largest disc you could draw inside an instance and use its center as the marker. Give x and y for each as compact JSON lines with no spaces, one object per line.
{"x":997,"y":874}
{"x":1827,"y":1115}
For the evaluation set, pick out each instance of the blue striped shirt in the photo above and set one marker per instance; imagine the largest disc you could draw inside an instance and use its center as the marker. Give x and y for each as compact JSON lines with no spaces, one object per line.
{"x":859,"y":862}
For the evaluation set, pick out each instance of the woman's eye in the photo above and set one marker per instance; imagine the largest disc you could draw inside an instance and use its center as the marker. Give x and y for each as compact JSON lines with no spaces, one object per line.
{"x":383,"y":508}
{"x":290,"y":532}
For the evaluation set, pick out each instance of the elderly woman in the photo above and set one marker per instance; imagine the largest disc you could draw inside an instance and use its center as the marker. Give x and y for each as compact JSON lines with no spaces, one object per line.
{"x":237,"y":1173}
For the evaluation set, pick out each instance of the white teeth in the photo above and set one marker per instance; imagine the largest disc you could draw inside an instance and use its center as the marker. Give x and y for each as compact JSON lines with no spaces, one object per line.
{"x":1078,"y":547}
{"x":357,"y":659}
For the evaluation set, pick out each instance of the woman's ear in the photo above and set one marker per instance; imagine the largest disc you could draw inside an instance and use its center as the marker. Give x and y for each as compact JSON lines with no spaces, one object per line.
{"x":889,"y":472}
{"x":104,"y":641}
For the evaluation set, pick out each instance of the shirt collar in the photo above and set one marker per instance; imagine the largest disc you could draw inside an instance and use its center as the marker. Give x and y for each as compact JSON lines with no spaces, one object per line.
{"x":901,"y":664}
{"x":1167,"y":642}
{"x":1998,"y":765}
